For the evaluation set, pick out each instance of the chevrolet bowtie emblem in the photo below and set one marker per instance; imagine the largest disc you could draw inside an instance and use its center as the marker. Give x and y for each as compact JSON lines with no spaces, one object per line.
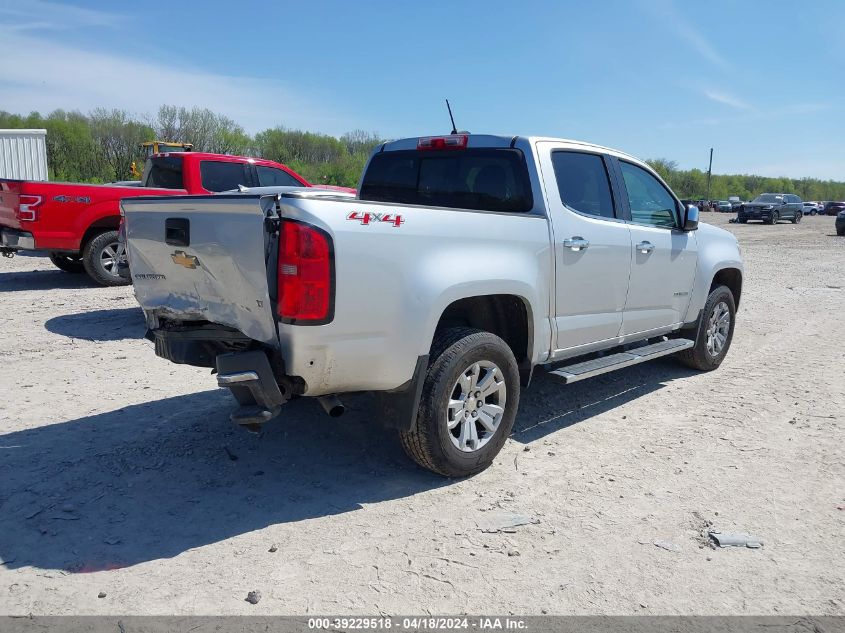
{"x":183,"y":259}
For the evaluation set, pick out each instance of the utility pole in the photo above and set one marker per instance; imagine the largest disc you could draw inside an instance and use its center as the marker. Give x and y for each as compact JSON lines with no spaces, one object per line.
{"x":709,"y":174}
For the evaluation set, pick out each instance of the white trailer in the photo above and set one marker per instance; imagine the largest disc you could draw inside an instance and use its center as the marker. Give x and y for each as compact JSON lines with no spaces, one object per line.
{"x":23,"y":154}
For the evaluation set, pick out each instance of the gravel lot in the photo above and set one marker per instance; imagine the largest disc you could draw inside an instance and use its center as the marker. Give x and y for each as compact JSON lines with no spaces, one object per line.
{"x":121,"y":476}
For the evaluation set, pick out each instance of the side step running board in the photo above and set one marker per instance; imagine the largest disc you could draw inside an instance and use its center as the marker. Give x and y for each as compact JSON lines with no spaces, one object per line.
{"x":605,"y":364}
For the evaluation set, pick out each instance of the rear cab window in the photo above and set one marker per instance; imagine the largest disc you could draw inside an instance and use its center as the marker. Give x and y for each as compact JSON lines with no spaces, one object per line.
{"x":484,"y":179}
{"x":163,"y":172}
{"x":275,"y":177}
{"x":223,"y":176}
{"x":583,"y":183}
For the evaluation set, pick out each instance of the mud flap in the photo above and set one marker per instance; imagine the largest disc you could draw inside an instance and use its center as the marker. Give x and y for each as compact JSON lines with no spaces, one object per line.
{"x":399,"y":407}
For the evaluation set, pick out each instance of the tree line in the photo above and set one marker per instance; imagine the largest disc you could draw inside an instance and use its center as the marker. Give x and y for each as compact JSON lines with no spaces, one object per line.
{"x":692,"y":184}
{"x":102,"y":145}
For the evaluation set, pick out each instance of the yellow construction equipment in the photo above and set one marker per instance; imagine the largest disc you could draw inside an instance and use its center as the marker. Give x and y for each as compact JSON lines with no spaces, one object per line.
{"x":156,"y":147}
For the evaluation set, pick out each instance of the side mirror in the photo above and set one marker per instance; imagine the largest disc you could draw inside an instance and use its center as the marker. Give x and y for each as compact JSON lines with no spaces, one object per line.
{"x":691,"y":218}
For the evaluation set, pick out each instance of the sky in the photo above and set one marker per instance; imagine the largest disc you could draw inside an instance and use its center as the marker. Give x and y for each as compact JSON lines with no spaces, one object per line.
{"x":762,"y":82}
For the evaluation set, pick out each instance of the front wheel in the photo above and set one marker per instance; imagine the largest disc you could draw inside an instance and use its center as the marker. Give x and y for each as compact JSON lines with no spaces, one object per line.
{"x":468,"y":403}
{"x":67,"y":263}
{"x":774,"y":218}
{"x":714,"y":333}
{"x":101,"y":256}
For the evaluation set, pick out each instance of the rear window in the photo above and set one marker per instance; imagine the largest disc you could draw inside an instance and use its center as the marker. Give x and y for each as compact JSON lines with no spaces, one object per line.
{"x":483,"y":179}
{"x":220,"y":176}
{"x":583,"y":183}
{"x":164,"y":172}
{"x":273,"y":177}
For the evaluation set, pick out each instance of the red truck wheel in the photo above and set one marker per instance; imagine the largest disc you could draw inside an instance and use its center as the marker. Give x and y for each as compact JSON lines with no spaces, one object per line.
{"x":67,"y":263}
{"x":100,"y":257}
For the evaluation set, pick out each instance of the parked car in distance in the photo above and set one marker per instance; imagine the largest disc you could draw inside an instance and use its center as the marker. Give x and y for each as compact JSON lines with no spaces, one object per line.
{"x":840,"y":223}
{"x":771,"y":208}
{"x":466,"y":262}
{"x":833,"y":208}
{"x":77,"y":224}
{"x":811,"y":208}
{"x":724,"y":206}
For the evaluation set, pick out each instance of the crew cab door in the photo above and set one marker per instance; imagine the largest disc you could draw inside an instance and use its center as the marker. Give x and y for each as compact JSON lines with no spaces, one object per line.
{"x":592,"y":247}
{"x":664,"y":258}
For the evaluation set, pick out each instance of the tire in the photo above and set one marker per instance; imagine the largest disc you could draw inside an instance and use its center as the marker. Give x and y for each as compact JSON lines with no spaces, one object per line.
{"x":98,"y":264}
{"x":701,"y":356}
{"x":796,"y":218}
{"x":774,"y":219}
{"x":458,"y":352}
{"x":742,"y":220}
{"x":67,"y":263}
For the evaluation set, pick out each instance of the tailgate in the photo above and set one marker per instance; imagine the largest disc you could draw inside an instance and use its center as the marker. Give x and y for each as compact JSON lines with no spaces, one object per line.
{"x":9,"y":200}
{"x":203,"y":258}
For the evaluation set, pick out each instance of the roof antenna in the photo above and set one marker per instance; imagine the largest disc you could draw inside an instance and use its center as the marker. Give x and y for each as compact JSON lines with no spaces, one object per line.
{"x":454,"y":129}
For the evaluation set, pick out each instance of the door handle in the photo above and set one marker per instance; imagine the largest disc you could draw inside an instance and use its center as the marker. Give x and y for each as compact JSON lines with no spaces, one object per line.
{"x":576,"y":243}
{"x":645,"y":247}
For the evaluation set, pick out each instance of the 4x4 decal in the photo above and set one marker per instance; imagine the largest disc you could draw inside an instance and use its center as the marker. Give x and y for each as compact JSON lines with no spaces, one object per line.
{"x":370,"y":217}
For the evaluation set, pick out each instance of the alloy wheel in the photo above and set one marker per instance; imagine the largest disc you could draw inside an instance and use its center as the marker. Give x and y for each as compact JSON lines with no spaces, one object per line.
{"x":718,"y":329}
{"x":476,"y":406}
{"x":110,"y":256}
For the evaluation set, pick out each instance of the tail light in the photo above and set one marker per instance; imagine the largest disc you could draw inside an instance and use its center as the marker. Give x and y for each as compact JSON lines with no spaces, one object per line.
{"x":28,"y":208}
{"x":452,"y":141}
{"x":305,"y":275}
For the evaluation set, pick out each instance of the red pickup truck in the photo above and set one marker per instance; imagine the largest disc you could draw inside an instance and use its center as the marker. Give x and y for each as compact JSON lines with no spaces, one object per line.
{"x":77,"y":224}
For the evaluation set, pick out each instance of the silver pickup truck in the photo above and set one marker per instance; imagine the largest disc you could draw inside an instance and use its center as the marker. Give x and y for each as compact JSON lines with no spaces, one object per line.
{"x":464,"y":263}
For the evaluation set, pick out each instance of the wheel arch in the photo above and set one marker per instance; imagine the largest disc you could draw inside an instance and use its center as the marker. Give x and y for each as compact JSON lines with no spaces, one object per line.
{"x":508,"y":316}
{"x":730,"y":277}
{"x":95,"y":219}
{"x":107,"y":223}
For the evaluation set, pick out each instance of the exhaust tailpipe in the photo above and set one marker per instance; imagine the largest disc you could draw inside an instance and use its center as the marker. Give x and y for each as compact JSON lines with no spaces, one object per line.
{"x":332,"y":405}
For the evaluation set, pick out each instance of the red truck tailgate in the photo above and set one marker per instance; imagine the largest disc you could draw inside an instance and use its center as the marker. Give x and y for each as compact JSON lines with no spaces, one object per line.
{"x":9,"y":203}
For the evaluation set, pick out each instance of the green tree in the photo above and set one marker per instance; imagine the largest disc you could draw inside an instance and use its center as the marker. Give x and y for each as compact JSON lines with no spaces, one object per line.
{"x":120,"y":138}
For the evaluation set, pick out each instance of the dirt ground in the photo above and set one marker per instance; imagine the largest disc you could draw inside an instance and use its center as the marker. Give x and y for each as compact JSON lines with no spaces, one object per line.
{"x":122,"y":477}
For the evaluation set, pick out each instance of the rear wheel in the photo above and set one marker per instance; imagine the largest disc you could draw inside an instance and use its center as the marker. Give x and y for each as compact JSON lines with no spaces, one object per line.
{"x":101,"y":256}
{"x":468,"y":404}
{"x":742,"y":220}
{"x":67,"y":263}
{"x":797,"y":218}
{"x":714,"y":332}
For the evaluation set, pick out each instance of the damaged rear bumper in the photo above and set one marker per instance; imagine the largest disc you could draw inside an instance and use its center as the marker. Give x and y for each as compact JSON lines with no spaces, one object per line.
{"x":243,"y":365}
{"x":250,"y":378}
